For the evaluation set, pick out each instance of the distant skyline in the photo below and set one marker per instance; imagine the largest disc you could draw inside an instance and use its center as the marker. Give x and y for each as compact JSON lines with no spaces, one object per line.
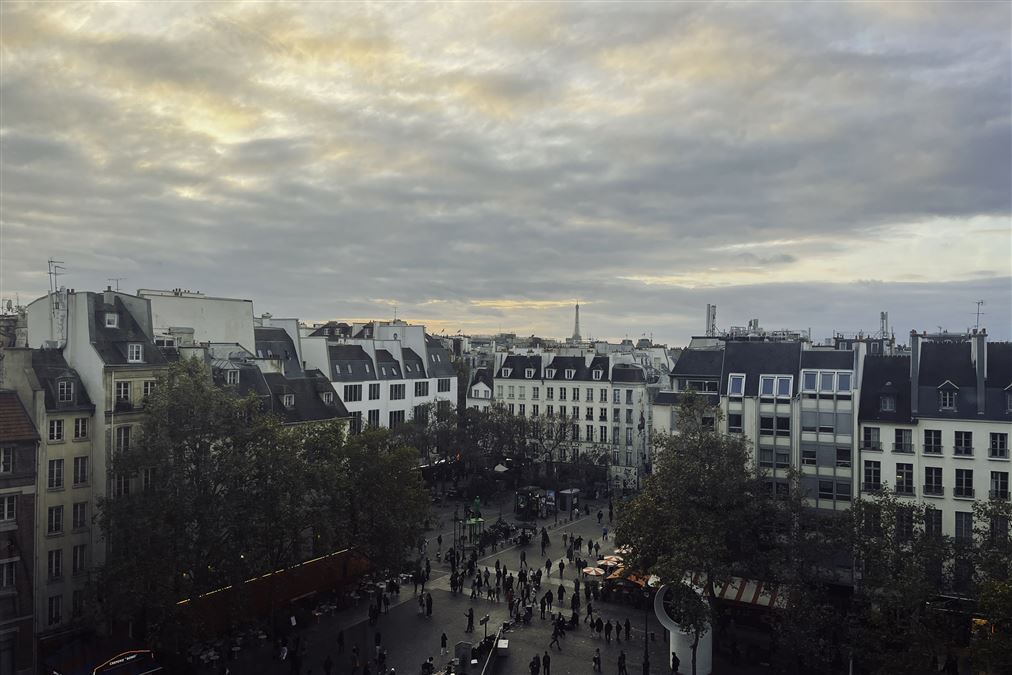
{"x":485,"y":167}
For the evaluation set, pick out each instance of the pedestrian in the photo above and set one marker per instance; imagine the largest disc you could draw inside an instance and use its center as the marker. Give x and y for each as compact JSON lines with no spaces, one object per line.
{"x":328,"y":665}
{"x":562,"y":566}
{"x":535,"y":665}
{"x":421,"y":605}
{"x":628,"y":627}
{"x":562,"y":594}
{"x":604,"y":533}
{"x":470,"y":620}
{"x":675,"y":662}
{"x":386,"y":603}
{"x":590,"y":547}
{"x":590,"y":615}
{"x":611,"y":511}
{"x":428,"y":569}
{"x":439,"y":542}
{"x":442,"y":645}
{"x":340,"y":641}
{"x":378,"y":642}
{"x":556,"y":632}
{"x":523,"y":559}
{"x":597,"y":544}
{"x":599,"y":627}
{"x":428,"y":605}
{"x":607,"y":631}
{"x":546,"y":664}
{"x":621,"y":664}
{"x":550,"y":599}
{"x":564,"y":539}
{"x":544,"y":604}
{"x":597,"y":659}
{"x":600,"y":515}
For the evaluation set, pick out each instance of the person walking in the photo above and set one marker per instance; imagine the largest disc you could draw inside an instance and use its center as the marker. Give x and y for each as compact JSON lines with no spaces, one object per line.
{"x":562,"y":566}
{"x":604,"y":533}
{"x":556,"y":633}
{"x":550,"y":599}
{"x":611,"y":510}
{"x":439,"y":542}
{"x":378,"y":643}
{"x":590,"y":615}
{"x":597,"y":660}
{"x":535,"y":665}
{"x":470,"y":620}
{"x":599,"y":626}
{"x":544,"y":605}
{"x":590,"y":547}
{"x":675,"y":662}
{"x":421,"y":605}
{"x":562,"y":594}
{"x":442,"y":645}
{"x":607,"y":631}
{"x":548,"y":568}
{"x":600,"y":515}
{"x":428,"y":605}
{"x":523,"y":559}
{"x":546,"y":664}
{"x":628,"y":628}
{"x":621,"y":664}
{"x":597,"y":545}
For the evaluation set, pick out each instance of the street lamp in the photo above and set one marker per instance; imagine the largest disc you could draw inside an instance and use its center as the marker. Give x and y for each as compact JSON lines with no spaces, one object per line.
{"x":646,"y":617}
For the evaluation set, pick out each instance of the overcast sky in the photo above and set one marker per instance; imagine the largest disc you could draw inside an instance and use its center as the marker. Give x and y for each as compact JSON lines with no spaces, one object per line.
{"x":485,"y":166}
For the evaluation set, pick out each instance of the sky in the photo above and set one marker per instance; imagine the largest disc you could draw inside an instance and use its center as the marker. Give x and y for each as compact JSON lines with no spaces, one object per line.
{"x":483,"y":167}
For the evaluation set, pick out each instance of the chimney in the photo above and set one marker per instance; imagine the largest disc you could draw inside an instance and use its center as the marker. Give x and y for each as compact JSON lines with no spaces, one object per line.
{"x":978,"y":354}
{"x":108,"y":295}
{"x":915,"y":362}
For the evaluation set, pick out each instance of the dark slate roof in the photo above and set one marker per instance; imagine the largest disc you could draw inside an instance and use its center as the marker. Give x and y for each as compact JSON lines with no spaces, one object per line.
{"x":835,"y":359}
{"x":356,"y":365}
{"x":624,"y":372}
{"x":414,"y":366}
{"x":576,"y":363}
{"x":885,"y":375}
{"x":600,"y":363}
{"x":111,"y":343}
{"x":251,"y":379}
{"x":50,"y":367}
{"x":701,"y":362}
{"x":309,"y":405}
{"x":437,"y":360}
{"x":759,"y":358}
{"x":674,"y":398}
{"x":15,"y":424}
{"x":482,"y":375}
{"x":389,"y":368}
{"x":999,"y":364}
{"x":941,"y":361}
{"x":519,"y":363}
{"x":273,"y":342}
{"x":332,"y":328}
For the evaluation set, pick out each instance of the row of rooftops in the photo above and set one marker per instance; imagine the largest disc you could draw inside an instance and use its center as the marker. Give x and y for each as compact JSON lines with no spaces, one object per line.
{"x":350,"y":360}
{"x":589,"y":368}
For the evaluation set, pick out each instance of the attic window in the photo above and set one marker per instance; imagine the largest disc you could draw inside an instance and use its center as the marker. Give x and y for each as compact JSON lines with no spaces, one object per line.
{"x":528,"y":373}
{"x":597,"y":374}
{"x":337,"y":368}
{"x":506,"y":372}
{"x":135,"y":353}
{"x":550,"y":373}
{"x":111,"y":320}
{"x":368,"y":368}
{"x":736,"y":385}
{"x":407,"y":367}
{"x":947,"y":399}
{"x":383,"y":370}
{"x":65,"y":391}
{"x":887,"y":403}
{"x":570,"y":373}
{"x":288,"y":400}
{"x":232,"y":376}
{"x":328,"y":397}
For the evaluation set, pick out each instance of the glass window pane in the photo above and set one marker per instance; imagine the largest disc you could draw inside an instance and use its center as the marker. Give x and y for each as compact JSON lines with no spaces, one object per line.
{"x":827,"y":382}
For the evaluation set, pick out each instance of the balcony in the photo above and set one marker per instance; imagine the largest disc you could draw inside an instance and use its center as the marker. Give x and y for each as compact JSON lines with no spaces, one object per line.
{"x":934,"y":490}
{"x":905,"y":490}
{"x":963,"y":451}
{"x":963,"y":493}
{"x":905,"y":447}
{"x":932,"y":449}
{"x":1001,"y":495}
{"x":871,"y":487}
{"x":124,"y":405}
{"x":871,"y":445}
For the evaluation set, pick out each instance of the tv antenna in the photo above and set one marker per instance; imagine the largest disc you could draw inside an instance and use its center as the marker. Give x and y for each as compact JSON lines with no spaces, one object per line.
{"x":117,"y":280}
{"x":979,"y":304}
{"x":55,"y":271}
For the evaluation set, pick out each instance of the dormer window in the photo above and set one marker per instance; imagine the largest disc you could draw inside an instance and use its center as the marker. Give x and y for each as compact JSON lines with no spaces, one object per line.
{"x":337,"y":368}
{"x":570,"y":373}
{"x":528,"y":373}
{"x":383,"y":371}
{"x":779,"y":386}
{"x":328,"y":397}
{"x":506,"y":372}
{"x":1008,"y":401}
{"x":597,"y":374}
{"x":550,"y":373}
{"x":288,"y":400}
{"x":111,"y":320}
{"x":736,"y":385}
{"x":947,"y":399}
{"x":368,"y":368}
{"x":65,"y":391}
{"x":135,"y":353}
{"x":887,"y":403}
{"x":232,"y":376}
{"x":407,"y":367}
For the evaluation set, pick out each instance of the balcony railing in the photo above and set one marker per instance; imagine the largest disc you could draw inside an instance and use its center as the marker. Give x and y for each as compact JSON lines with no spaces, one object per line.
{"x":963,"y":451}
{"x":903,"y":447}
{"x":932,"y":449}
{"x":999,"y":494}
{"x":905,"y":490}
{"x":871,"y":487}
{"x":934,"y":490}
{"x":871,"y":445}
{"x":998,"y":453}
{"x":962,"y":492}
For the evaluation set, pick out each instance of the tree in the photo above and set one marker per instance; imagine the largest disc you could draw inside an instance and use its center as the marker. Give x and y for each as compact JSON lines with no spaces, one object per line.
{"x":691,"y":612}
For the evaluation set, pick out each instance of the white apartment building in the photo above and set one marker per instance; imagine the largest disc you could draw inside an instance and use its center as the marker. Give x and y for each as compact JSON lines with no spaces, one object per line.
{"x":935,"y":425}
{"x":479,"y":391}
{"x":383,"y":371}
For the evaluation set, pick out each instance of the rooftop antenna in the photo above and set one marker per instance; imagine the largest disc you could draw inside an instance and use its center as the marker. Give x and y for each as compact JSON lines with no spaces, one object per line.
{"x":395,"y":312}
{"x":55,"y":270}
{"x":979,"y":304}
{"x":117,"y":280}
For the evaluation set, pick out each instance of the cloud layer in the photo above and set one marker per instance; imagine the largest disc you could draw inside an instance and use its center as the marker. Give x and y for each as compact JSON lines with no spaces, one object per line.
{"x":485,"y":166}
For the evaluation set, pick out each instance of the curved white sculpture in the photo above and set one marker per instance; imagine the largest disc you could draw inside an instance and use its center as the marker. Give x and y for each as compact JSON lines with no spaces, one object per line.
{"x":681,"y":642}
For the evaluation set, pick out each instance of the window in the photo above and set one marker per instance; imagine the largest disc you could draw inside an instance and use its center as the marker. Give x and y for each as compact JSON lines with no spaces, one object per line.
{"x":55,"y":480}
{"x":122,"y":438}
{"x":826,"y":382}
{"x":368,"y":368}
{"x":603,"y":438}
{"x":783,"y":425}
{"x":79,"y":515}
{"x":808,"y":457}
{"x":964,"y":444}
{"x":523,"y":410}
{"x":570,"y":373}
{"x":506,"y":372}
{"x":374,"y":391}
{"x":55,"y":520}
{"x":999,"y":485}
{"x":396,"y":417}
{"x":767,"y":385}
{"x":550,"y":373}
{"x":396,"y":392}
{"x":843,"y":492}
{"x":111,"y":320}
{"x":55,"y":563}
{"x":843,"y":381}
{"x":809,"y":380}
{"x":596,"y":374}
{"x":288,"y":400}
{"x":374,"y":418}
{"x":1008,"y":401}
{"x":779,"y":386}
{"x":148,"y":475}
{"x":616,"y":396}
{"x":65,"y":391}
{"x":8,"y":508}
{"x":904,"y":523}
{"x":628,"y":436}
{"x":81,"y":428}
{"x":603,"y":396}
{"x":590,"y":433}
{"x":932,"y":442}
{"x":535,"y":393}
{"x":562,"y":393}
{"x":511,"y":391}
{"x":550,"y":410}
{"x":843,"y":457}
{"x":734,"y":423}
{"x":135,"y":353}
{"x":933,"y":481}
{"x":589,"y":414}
{"x":628,"y":416}
{"x":534,"y":410}
{"x":421,"y":388}
{"x":590,"y":395}
{"x":615,"y":436}
{"x":231,"y":376}
{"x":736,"y":385}
{"x":933,"y":522}
{"x":964,"y":526}
{"x":352,"y":393}
{"x":872,"y":475}
{"x":550,"y":393}
{"x":337,"y":368}
{"x":998,"y":449}
{"x":328,"y":397}
{"x":55,"y":609}
{"x":766,"y":457}
{"x":576,"y":393}
{"x":628,"y":396}
{"x":443,"y":384}
{"x":871,"y":441}
{"x":903,"y":440}
{"x":904,"y":479}
{"x":6,"y":460}
{"x":947,"y":399}
{"x":8,"y":577}
{"x":826,"y":489}
{"x":887,"y":403}
{"x":77,"y":603}
{"x":964,"y":483}
{"x":522,"y":392}
{"x":55,"y":430}
{"x":121,"y":485}
{"x":783,"y":459}
{"x":766,"y":425}
{"x":528,"y":373}
{"x":123,"y":392}
{"x":80,"y":558}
